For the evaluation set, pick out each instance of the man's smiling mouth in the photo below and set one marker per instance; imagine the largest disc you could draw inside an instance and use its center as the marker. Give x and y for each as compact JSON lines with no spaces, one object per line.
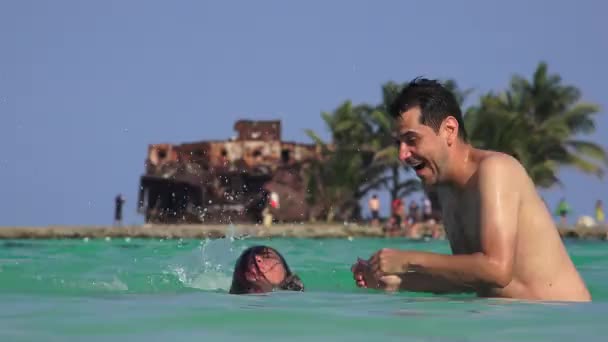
{"x":416,"y":164}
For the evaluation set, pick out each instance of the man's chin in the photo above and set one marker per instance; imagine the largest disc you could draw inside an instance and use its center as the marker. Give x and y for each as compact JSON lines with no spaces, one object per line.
{"x":428,"y":180}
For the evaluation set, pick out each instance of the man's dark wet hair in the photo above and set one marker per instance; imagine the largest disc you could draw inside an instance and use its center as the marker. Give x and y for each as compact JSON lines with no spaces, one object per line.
{"x":241,"y":285}
{"x":436,"y":103}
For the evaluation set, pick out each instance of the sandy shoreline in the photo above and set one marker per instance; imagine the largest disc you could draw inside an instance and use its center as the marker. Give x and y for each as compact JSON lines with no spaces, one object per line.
{"x":307,"y":230}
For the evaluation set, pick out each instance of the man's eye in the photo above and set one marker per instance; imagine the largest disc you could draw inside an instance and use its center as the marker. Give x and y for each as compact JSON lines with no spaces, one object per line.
{"x":408,"y":140}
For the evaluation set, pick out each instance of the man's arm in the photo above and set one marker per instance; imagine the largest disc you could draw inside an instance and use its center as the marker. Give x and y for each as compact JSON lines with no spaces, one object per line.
{"x":492,"y":266}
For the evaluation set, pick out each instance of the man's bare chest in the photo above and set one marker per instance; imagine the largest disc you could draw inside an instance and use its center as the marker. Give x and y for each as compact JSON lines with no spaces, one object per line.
{"x":461,"y":216}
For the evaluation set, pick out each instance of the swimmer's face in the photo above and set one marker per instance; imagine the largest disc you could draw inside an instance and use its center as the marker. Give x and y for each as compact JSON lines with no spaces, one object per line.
{"x":266,"y":268}
{"x":262,"y":269}
{"x":422,"y":148}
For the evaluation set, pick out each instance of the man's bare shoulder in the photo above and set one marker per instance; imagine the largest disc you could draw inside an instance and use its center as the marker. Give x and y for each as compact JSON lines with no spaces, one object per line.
{"x":496,"y":164}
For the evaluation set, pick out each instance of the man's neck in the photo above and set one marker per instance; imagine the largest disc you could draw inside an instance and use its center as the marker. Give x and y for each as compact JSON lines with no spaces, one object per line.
{"x":463,"y":165}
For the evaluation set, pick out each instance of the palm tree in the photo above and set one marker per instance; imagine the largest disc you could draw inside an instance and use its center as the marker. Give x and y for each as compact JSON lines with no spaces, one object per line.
{"x":540,"y":122}
{"x":346,"y":171}
{"x":387,"y":152}
{"x":460,"y":94}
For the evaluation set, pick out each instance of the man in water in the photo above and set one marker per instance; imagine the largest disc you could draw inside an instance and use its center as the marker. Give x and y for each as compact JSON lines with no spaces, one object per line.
{"x":503,"y":239}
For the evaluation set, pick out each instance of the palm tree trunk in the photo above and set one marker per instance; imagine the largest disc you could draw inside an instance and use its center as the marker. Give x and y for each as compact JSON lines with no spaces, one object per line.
{"x":395,"y":187}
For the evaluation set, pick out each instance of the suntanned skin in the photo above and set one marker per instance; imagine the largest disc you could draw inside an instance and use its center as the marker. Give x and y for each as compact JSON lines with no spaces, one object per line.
{"x":502,"y":236}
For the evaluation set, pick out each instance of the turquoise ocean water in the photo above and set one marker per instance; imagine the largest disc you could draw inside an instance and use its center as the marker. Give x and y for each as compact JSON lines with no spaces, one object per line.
{"x":159,"y":290}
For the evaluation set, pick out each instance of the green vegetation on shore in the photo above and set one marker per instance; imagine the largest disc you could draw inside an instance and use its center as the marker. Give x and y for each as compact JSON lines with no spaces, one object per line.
{"x":541,"y":122}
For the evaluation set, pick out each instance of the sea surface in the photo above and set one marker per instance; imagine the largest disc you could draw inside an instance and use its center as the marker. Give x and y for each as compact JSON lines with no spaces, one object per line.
{"x":176,"y":290}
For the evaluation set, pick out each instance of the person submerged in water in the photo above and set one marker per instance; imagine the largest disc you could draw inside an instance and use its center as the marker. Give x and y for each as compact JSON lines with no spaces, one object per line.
{"x":261,"y":269}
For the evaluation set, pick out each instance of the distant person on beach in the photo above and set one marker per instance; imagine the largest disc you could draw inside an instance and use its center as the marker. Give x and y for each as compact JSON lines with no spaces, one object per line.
{"x":562,"y":210}
{"x":599,"y":212}
{"x":504,"y":241}
{"x":427,"y":210}
{"x":118,"y":203}
{"x":397,"y":210}
{"x":413,"y":213}
{"x":394,"y":224}
{"x":261,"y":269}
{"x":374,"y":208}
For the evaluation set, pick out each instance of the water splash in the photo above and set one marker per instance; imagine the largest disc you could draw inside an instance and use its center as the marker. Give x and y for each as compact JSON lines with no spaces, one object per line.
{"x":114,"y":285}
{"x":210,"y":266}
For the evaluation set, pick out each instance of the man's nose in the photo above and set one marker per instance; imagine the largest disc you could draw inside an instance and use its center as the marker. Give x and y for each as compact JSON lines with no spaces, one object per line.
{"x":404,"y":152}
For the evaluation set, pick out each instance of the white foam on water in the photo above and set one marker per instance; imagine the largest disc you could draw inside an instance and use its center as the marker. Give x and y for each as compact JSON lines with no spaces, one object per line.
{"x":211,"y":281}
{"x":115,"y":285}
{"x":212,"y":267}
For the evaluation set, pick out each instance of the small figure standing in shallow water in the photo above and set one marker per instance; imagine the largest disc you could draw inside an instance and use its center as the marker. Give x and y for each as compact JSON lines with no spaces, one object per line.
{"x":262,"y":269}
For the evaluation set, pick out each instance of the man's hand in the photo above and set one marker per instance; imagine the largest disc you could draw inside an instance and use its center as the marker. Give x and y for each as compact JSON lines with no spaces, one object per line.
{"x":389,"y":261}
{"x":365,"y":277}
{"x":411,"y":281}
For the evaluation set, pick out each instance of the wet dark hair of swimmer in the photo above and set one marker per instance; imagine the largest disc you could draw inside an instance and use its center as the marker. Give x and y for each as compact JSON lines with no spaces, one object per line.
{"x":262,"y":269}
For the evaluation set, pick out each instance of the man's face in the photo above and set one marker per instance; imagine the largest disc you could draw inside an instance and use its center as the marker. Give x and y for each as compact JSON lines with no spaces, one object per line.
{"x":421,"y":147}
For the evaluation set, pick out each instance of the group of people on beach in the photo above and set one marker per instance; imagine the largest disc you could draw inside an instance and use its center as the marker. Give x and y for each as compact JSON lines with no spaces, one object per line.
{"x":416,"y":222}
{"x":503,"y":238}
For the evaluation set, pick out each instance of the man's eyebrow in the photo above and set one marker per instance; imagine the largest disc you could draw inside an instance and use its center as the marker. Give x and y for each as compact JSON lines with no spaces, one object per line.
{"x":406,"y":134}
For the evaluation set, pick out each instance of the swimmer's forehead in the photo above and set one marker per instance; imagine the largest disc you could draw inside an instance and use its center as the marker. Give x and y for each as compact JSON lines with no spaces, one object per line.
{"x":268,"y":253}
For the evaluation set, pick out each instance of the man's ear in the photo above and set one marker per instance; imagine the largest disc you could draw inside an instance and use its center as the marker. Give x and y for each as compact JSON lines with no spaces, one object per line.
{"x":449,"y":128}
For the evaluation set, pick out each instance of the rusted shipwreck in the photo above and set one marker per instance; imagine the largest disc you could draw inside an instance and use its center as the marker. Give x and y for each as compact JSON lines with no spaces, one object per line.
{"x":230,"y":181}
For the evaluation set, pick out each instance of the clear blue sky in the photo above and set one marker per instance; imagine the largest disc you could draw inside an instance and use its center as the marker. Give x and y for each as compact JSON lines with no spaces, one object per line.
{"x":86,"y":86}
